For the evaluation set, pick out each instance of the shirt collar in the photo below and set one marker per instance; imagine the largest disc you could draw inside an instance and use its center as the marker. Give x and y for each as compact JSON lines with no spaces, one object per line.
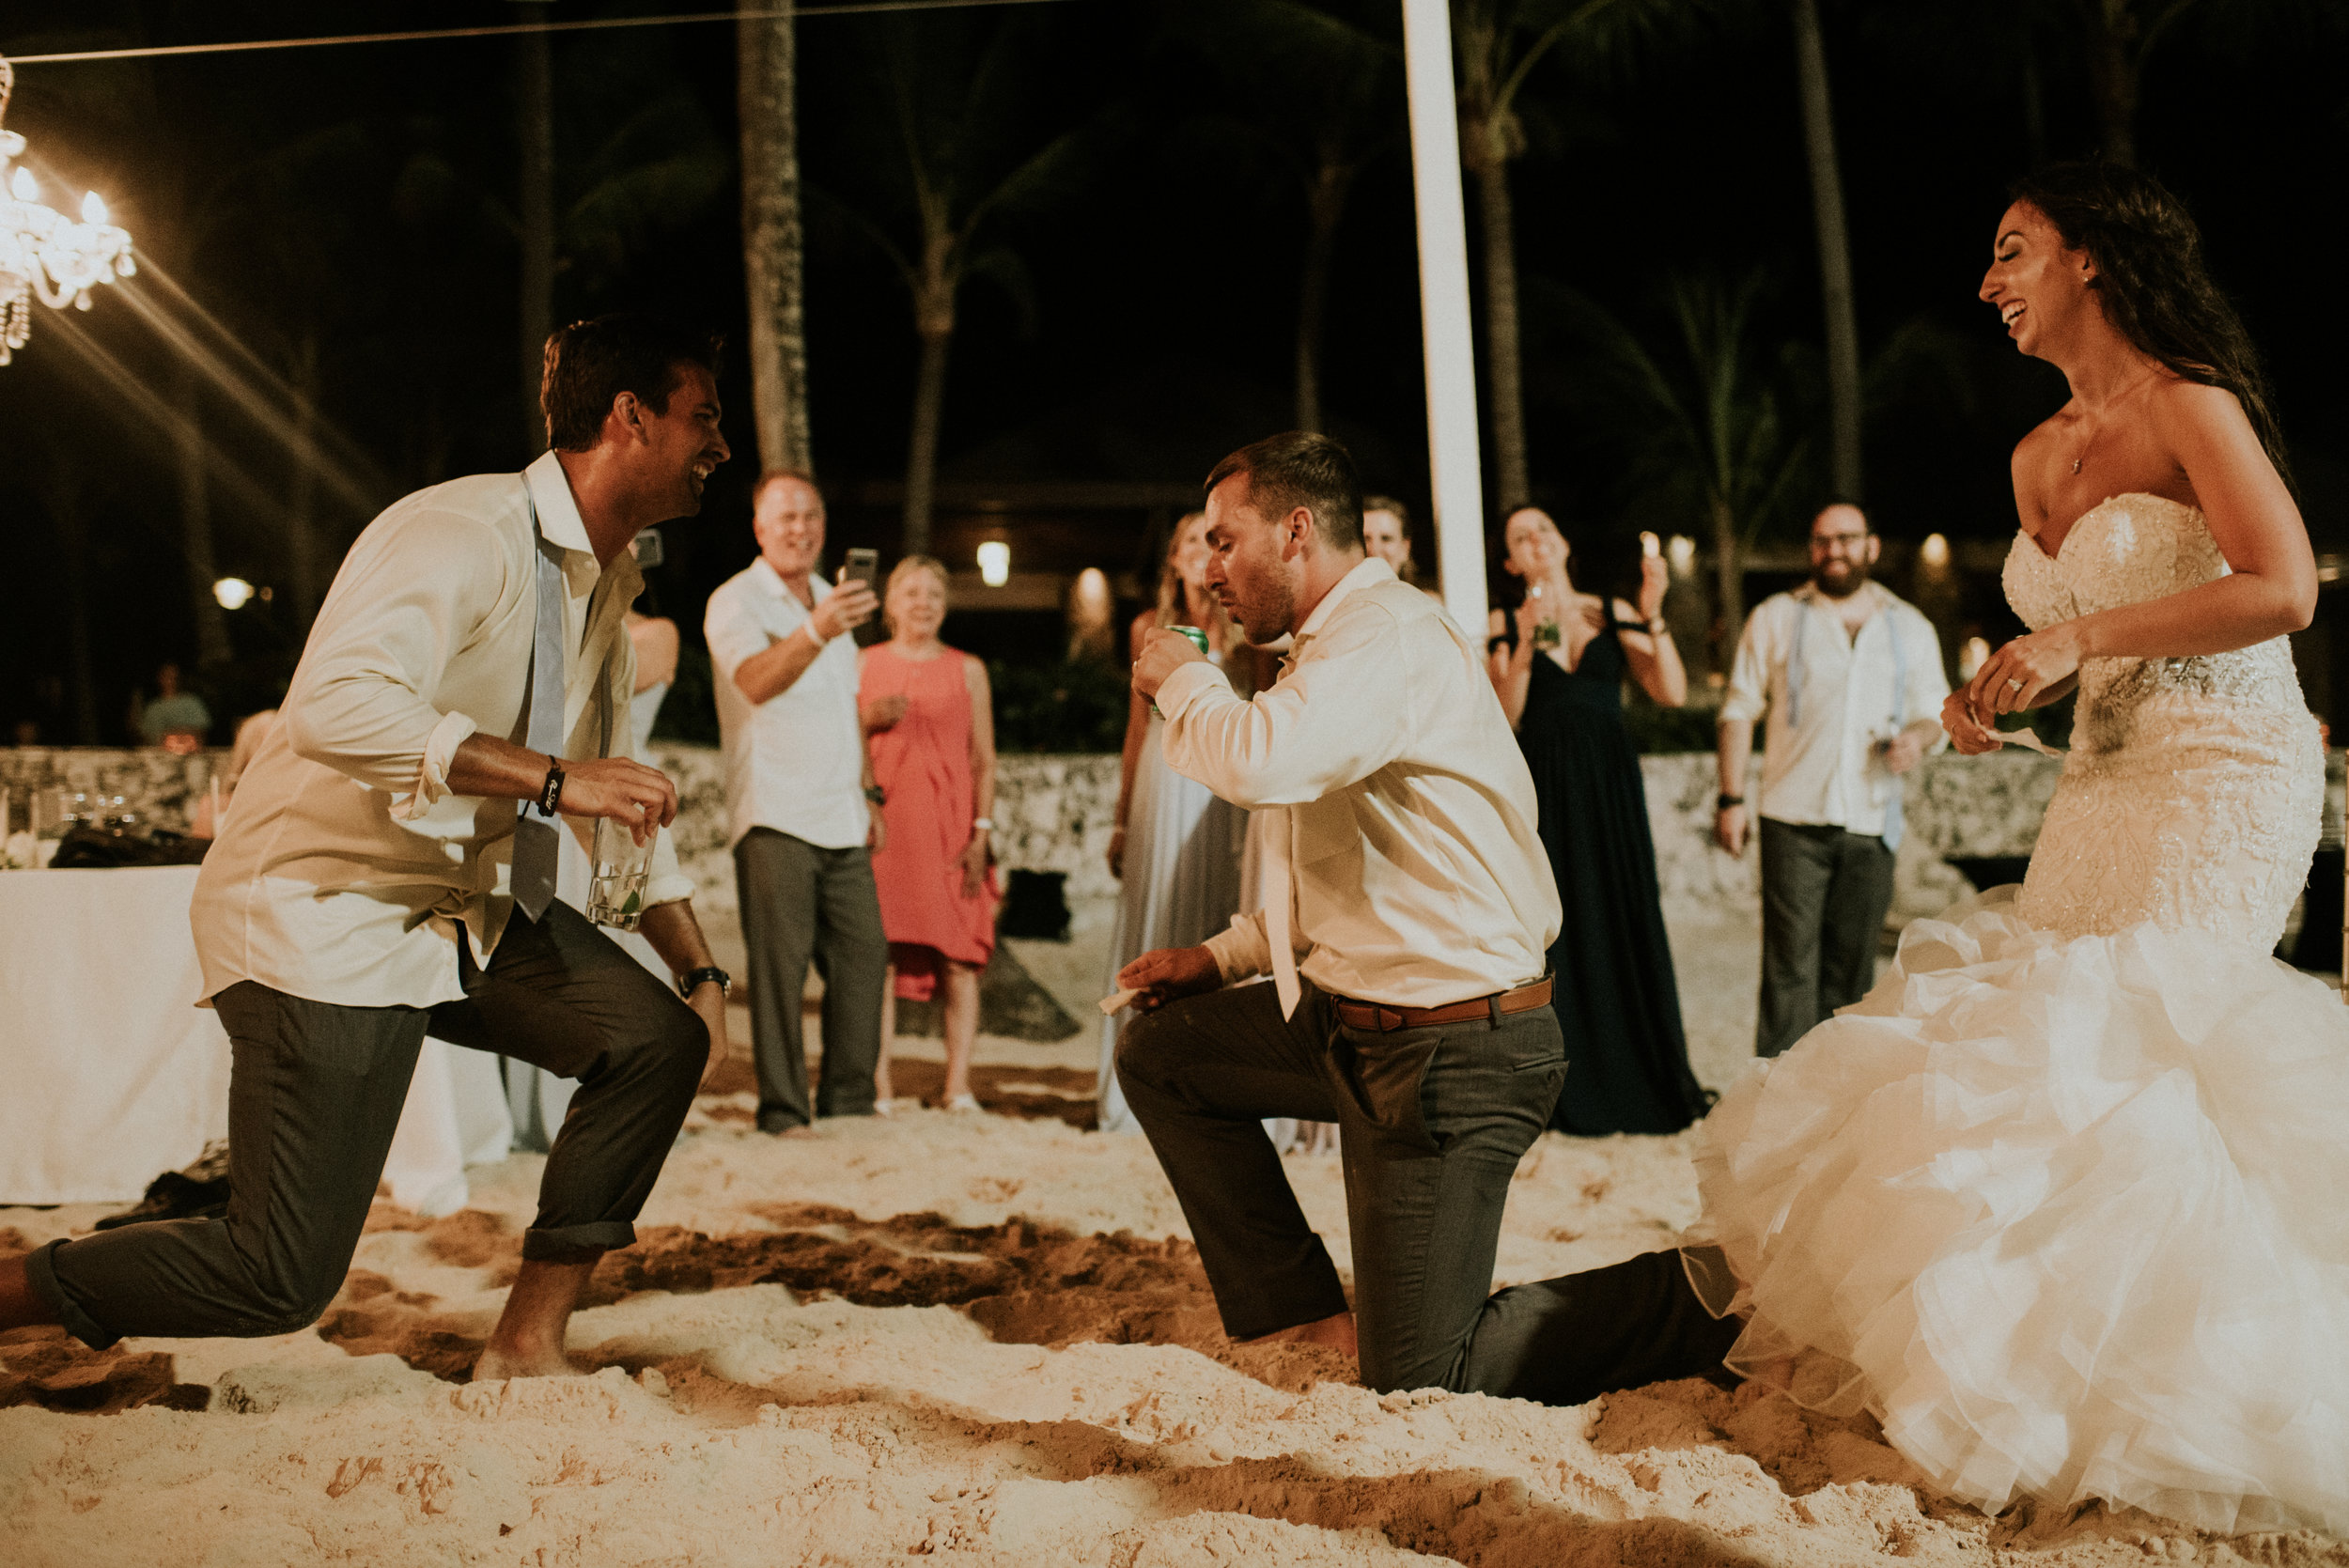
{"x":1372,"y":569}
{"x":558,"y":513}
{"x":768,"y":578}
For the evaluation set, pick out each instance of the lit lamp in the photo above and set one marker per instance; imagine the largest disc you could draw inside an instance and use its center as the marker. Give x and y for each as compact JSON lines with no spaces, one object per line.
{"x":42,"y":251}
{"x":994,"y":562}
{"x":1682,"y":553}
{"x":1089,"y":612}
{"x":1971,"y":657}
{"x":234,"y":592}
{"x":1934,"y":553}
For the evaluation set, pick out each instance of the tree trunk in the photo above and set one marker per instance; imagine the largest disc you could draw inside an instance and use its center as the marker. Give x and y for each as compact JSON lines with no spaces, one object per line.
{"x":213,"y":648}
{"x":1511,"y":483}
{"x":533,"y":137}
{"x":1325,"y":203}
{"x":2110,"y":29}
{"x":301,"y":524}
{"x":771,"y":242}
{"x":1729,"y":584}
{"x":1835,"y":280}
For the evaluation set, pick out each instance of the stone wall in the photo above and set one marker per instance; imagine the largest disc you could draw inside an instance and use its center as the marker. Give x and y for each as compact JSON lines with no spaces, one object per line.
{"x":1055,"y":813}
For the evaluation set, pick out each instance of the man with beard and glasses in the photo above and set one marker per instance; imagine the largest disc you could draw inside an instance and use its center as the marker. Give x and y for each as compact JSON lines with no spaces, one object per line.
{"x":388,"y":870}
{"x":1851,"y":678}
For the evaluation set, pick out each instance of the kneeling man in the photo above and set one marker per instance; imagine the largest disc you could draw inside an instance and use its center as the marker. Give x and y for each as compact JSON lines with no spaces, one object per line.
{"x":1407,"y":903}
{"x":373,"y":883}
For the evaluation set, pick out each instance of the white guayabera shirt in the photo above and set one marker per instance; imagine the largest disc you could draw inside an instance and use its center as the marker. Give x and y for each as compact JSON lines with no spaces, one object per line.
{"x":795,"y":763}
{"x":345,"y":871}
{"x":1399,"y":801}
{"x":1830,"y":698}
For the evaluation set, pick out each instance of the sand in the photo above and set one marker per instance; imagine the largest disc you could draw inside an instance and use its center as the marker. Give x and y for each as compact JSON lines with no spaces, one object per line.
{"x":984,"y":1337}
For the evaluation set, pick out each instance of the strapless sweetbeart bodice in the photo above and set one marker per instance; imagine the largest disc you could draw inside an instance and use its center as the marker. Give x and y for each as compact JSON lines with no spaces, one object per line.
{"x":2192,"y":791}
{"x":2127,"y":550}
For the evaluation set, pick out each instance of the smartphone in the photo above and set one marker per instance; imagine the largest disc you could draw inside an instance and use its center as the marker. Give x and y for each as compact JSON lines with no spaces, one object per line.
{"x":863,"y":566}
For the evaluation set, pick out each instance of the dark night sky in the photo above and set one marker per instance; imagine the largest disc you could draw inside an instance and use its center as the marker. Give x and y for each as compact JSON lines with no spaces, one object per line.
{"x":360,"y":196}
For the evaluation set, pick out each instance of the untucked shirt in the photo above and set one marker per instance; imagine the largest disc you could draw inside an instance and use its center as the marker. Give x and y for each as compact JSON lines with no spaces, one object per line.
{"x":795,"y":763}
{"x":345,"y":871}
{"x":1831,"y":697}
{"x":1416,"y":874}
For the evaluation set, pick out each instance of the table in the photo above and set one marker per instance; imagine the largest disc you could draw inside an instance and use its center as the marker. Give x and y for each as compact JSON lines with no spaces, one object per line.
{"x":115,"y":1075}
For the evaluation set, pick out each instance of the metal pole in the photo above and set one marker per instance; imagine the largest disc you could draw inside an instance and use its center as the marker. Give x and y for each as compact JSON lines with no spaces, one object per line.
{"x":1444,"y":307}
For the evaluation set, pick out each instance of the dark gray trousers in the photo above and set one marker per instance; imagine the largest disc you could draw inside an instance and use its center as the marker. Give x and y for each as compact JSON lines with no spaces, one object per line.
{"x":1824,"y":897}
{"x":1433,"y":1122}
{"x":801,"y":903}
{"x":315,"y":1094}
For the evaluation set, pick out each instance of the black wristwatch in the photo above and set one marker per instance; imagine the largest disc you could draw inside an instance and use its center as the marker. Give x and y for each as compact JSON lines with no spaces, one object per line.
{"x":876,"y":793}
{"x":1722,"y":802}
{"x":689,"y":982}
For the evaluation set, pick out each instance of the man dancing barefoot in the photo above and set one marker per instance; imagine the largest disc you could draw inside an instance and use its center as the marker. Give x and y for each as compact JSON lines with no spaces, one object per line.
{"x":1408,"y":905}
{"x":373,"y":883}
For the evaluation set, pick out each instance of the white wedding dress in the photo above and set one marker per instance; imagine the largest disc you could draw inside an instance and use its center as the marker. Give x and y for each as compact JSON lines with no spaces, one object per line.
{"x":2064,"y":1201}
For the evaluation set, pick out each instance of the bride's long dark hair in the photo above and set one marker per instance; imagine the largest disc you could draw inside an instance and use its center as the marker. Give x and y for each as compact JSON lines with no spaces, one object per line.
{"x":2155,"y":285}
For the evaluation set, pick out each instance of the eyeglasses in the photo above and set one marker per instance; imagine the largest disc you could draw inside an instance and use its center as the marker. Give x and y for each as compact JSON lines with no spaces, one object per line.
{"x":1837,"y":541}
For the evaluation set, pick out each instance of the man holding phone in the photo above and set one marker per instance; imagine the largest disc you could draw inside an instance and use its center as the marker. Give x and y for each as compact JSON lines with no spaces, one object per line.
{"x":799,"y":788}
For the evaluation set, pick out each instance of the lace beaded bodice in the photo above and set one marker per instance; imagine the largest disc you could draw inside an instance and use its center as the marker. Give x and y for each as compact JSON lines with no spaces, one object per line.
{"x":2194,"y":787}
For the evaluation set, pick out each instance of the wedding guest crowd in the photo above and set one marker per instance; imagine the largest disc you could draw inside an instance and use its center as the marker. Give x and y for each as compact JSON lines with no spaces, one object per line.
{"x":1851,"y":677}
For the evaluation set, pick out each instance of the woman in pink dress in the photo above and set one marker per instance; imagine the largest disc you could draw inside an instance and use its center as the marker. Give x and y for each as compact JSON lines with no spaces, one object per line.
{"x":932,"y":723}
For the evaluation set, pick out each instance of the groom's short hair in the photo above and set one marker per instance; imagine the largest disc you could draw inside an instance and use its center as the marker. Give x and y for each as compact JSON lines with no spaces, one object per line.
{"x":1301,"y":468}
{"x":589,"y":364}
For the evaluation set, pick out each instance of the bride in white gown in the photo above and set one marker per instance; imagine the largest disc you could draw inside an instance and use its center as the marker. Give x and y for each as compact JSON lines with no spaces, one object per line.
{"x":2064,"y":1202}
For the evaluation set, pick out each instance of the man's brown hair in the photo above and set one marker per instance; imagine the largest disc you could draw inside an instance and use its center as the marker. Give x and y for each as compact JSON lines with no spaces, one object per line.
{"x":589,"y":364}
{"x":1302,"y":468}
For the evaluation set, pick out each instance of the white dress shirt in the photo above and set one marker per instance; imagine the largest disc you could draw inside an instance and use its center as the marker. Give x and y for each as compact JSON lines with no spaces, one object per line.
{"x":1831,"y":697}
{"x":344,"y":868}
{"x":1397,"y":802}
{"x":795,"y":763}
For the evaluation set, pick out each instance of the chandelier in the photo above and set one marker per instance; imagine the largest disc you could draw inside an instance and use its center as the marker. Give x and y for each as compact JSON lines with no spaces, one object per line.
{"x":41,"y":250}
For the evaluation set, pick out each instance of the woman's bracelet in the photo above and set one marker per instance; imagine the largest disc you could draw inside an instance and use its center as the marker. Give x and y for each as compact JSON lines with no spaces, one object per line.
{"x":983,"y":824}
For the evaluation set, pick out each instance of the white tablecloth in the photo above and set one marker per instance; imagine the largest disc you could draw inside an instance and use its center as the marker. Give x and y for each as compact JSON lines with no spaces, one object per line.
{"x":112,"y":1074}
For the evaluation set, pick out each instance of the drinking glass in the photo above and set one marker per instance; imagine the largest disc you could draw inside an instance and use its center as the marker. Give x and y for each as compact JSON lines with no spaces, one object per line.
{"x":616,"y":886}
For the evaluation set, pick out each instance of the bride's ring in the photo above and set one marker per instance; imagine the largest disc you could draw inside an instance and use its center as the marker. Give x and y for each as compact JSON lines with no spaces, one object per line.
{"x":2014,"y":684}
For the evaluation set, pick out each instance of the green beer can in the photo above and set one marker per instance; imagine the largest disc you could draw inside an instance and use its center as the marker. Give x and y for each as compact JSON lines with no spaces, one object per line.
{"x":1199,"y":640}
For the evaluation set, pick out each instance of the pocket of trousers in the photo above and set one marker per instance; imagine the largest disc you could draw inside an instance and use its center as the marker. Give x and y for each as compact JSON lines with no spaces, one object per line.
{"x":1384,"y":1076}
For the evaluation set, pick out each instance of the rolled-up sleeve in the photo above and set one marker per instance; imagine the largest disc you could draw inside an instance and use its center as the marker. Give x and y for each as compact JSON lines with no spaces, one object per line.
{"x":1749,"y":693}
{"x":732,"y":631}
{"x":359,"y":701}
{"x":1928,"y":683}
{"x":1240,"y":949}
{"x":1339,"y":715}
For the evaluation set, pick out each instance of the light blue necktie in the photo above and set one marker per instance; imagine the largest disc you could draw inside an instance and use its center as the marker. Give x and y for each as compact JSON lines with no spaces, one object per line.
{"x":534,"y":843}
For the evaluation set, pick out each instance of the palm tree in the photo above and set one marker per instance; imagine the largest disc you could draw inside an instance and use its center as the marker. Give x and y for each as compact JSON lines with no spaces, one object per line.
{"x":773,"y":248}
{"x":1321,"y":91}
{"x":955,"y":96}
{"x":1835,"y":276}
{"x":1715,"y":428}
{"x":1496,"y":44}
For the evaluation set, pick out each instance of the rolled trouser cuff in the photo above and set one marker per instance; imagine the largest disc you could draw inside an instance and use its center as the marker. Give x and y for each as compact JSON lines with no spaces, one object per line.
{"x":1307,"y":1291}
{"x":576,"y":1243}
{"x":41,"y":1273}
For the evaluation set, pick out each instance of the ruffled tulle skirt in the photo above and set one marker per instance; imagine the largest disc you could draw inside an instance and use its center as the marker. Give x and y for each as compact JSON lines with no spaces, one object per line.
{"x":2069,"y":1215}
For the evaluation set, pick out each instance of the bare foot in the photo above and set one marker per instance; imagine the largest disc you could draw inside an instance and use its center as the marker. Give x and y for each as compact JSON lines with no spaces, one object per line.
{"x":499,"y":1362}
{"x":1336,"y":1331}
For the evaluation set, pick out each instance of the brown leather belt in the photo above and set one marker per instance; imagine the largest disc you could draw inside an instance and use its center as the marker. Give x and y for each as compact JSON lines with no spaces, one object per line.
{"x":1377,"y":1015}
